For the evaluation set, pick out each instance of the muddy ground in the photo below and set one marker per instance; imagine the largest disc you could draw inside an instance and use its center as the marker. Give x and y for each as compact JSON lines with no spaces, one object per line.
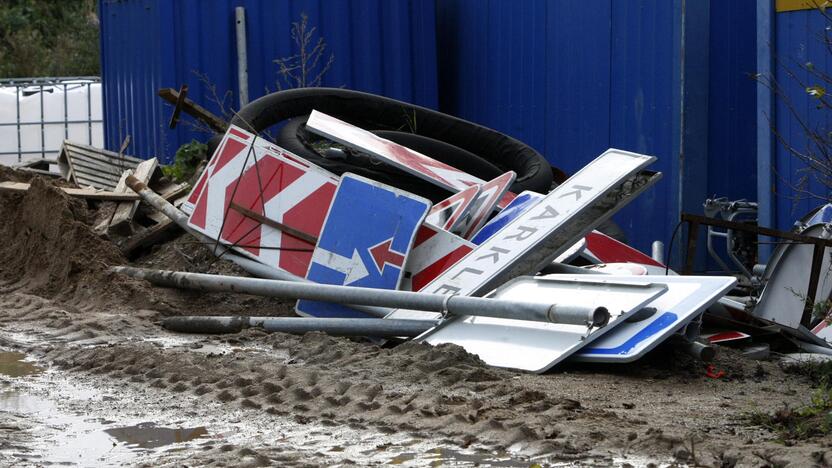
{"x":88,"y":377}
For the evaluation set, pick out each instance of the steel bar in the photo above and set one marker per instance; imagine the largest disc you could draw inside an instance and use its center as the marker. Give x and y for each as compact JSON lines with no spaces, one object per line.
{"x":820,"y":245}
{"x":48,"y":122}
{"x":763,"y":231}
{"x":298,"y":325}
{"x":382,"y":328}
{"x":454,"y":305}
{"x":242,"y":55}
{"x":296,"y":233}
{"x":255,"y":268}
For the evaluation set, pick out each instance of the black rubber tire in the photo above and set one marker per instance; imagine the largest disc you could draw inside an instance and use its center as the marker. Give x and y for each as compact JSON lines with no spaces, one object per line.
{"x":380,"y":113}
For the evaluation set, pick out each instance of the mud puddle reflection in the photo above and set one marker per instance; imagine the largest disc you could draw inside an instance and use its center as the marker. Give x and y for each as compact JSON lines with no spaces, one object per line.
{"x":14,"y":365}
{"x":50,"y":417}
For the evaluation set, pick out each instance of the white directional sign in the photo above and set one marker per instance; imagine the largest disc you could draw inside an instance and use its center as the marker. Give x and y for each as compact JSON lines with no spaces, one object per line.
{"x":406,"y":159}
{"x":537,"y":346}
{"x":535,"y":238}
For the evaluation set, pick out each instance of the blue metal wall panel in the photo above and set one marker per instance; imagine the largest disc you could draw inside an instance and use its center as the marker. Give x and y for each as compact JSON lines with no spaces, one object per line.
{"x":732,"y":125}
{"x":798,"y":41}
{"x":574,"y":78}
{"x":386,"y":47}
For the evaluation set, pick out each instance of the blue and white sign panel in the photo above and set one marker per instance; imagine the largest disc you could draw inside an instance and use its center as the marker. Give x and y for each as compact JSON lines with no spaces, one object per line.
{"x":518,"y":206}
{"x":686,"y":298}
{"x":366,"y":238}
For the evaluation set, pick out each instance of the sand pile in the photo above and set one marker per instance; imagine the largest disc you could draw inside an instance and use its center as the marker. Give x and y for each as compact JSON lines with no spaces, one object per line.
{"x":50,"y":250}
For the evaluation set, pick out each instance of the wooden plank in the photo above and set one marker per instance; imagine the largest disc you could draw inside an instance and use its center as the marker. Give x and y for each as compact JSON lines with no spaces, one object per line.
{"x":41,"y":172}
{"x":153,"y":235}
{"x":73,"y":192}
{"x":125,"y":211}
{"x":171,"y":190}
{"x":195,"y":110}
{"x":98,"y":152}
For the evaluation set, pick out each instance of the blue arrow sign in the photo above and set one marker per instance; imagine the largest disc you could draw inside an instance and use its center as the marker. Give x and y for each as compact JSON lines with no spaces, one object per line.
{"x":366,"y":237}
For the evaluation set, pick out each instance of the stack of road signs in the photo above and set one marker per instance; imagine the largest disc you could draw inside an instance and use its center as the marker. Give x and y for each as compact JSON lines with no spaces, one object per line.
{"x":284,"y":212}
{"x":367,"y":236}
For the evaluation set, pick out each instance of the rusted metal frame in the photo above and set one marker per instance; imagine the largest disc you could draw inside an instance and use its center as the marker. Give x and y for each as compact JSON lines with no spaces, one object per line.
{"x":763,"y":231}
{"x":819,"y":244}
{"x":274,"y":224}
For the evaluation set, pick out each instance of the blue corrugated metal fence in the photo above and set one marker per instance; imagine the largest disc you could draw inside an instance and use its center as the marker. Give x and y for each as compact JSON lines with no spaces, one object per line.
{"x":380,"y":46}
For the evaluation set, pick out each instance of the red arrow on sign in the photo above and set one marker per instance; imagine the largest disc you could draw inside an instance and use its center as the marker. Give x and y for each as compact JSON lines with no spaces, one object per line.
{"x":382,"y":254}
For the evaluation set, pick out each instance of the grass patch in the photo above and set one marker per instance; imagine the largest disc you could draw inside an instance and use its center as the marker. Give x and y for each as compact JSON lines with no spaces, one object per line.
{"x":819,"y":373}
{"x":812,"y":420}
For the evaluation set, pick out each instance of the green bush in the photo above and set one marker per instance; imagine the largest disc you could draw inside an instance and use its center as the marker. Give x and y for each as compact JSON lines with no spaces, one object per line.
{"x":186,"y":160}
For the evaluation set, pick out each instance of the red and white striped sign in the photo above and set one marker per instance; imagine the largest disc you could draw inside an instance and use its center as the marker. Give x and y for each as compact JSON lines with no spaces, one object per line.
{"x":450,"y":212}
{"x":490,"y":193}
{"x":270,"y":182}
{"x":434,"y":251}
{"x":404,"y":158}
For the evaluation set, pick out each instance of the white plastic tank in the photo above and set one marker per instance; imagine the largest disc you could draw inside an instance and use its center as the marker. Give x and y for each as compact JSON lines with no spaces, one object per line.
{"x":48,"y":112}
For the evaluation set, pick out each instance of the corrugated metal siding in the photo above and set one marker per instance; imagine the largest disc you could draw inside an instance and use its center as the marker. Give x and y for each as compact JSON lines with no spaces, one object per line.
{"x":732,"y":143}
{"x":386,"y":47}
{"x":574,"y":78}
{"x":797,"y":37}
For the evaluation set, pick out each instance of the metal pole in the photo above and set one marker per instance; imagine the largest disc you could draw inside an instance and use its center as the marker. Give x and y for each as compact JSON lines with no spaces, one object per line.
{"x":42,"y":127}
{"x":255,"y":268}
{"x":19,"y":137}
{"x":455,"y":305}
{"x":66,"y":113}
{"x":298,"y":325}
{"x":242,"y":55}
{"x":658,"y":251}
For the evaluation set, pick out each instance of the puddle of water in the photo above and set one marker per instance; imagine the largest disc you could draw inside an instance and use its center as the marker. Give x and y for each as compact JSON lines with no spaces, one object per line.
{"x":444,"y":456}
{"x":13,"y":365}
{"x":149,"y":435}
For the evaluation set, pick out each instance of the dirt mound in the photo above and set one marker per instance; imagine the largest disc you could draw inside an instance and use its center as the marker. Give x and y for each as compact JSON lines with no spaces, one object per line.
{"x":8,"y":174}
{"x":49,"y":249}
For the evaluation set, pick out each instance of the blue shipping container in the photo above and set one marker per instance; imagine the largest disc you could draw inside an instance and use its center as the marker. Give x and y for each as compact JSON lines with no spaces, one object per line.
{"x":386,"y":47}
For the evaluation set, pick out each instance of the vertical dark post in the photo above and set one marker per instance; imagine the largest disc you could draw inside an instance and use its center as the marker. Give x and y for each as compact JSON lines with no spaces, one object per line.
{"x":17,"y":104}
{"x":42,"y":126}
{"x":66,"y":114}
{"x":814,"y":279}
{"x":690,"y":255}
{"x":89,"y":113}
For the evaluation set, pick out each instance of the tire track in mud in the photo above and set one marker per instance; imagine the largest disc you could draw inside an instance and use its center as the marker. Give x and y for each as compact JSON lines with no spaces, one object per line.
{"x":59,"y":302}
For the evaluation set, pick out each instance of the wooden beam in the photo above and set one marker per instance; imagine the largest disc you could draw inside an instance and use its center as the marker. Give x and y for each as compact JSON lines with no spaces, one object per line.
{"x":125,"y":210}
{"x":195,"y":110}
{"x":73,"y":192}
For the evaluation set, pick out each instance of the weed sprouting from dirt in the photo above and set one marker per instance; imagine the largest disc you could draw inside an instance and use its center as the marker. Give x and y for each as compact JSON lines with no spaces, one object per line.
{"x":806,"y":422}
{"x":818,"y":372}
